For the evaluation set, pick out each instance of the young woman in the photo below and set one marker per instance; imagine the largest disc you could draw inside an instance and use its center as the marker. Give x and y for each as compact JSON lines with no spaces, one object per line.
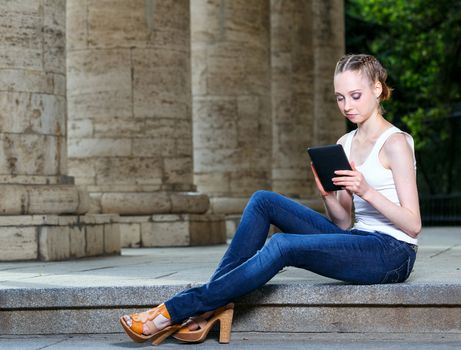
{"x":369,"y":238}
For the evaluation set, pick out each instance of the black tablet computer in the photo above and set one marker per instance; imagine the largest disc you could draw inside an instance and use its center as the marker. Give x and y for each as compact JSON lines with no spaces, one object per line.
{"x":327,"y":159}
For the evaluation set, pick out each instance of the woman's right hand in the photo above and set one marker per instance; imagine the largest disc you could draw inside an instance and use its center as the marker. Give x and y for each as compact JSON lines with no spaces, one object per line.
{"x":322,"y":191}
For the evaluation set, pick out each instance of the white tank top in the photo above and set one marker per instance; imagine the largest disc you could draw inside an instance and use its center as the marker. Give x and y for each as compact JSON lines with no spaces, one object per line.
{"x":367,"y":218}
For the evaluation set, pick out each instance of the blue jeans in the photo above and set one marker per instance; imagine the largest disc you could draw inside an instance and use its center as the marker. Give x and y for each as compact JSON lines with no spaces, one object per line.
{"x":309,"y":241}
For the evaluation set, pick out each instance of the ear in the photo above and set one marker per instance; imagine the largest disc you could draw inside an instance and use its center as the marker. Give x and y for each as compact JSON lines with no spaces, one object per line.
{"x":378,"y":88}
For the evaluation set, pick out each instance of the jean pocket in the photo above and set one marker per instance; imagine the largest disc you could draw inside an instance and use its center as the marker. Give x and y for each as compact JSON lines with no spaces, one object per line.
{"x":399,"y":274}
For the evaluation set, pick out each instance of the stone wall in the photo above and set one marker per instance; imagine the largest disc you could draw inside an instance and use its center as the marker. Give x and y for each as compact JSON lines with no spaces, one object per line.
{"x":40,"y":206}
{"x":262,"y":87}
{"x":173,"y":109}
{"x":129,"y":98}
{"x":306,"y":41}
{"x":231,"y":98}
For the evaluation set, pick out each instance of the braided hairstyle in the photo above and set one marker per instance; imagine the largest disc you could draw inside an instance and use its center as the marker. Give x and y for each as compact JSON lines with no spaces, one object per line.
{"x":371,"y":67}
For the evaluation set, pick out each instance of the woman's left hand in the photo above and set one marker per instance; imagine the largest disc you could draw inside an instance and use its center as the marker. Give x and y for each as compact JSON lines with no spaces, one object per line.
{"x":352,"y":181}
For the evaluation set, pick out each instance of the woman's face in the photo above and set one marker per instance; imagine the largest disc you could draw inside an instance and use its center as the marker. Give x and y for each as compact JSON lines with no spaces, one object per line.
{"x":356,"y":97}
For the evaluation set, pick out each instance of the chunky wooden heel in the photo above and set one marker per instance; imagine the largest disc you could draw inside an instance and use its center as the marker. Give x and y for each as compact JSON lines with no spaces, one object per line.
{"x":223,"y":315}
{"x":225,"y":326}
{"x":159,"y":337}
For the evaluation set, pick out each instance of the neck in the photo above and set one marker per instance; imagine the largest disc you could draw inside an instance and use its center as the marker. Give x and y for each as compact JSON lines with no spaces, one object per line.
{"x":373,"y":126}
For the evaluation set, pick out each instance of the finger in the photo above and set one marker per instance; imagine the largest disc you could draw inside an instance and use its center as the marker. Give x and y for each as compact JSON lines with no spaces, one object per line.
{"x":353,"y":165}
{"x":345,"y":172}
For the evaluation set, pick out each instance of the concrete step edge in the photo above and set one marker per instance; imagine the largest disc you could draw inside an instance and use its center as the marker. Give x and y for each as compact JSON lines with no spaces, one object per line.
{"x":289,"y":294}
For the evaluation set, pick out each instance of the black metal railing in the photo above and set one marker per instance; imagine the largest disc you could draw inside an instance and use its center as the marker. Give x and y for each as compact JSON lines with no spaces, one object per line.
{"x":441,"y":209}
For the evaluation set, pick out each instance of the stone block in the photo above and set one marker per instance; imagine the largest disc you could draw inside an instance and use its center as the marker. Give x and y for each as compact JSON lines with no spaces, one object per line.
{"x":213,"y":183}
{"x":18,"y":243}
{"x":207,"y":230}
{"x":77,"y":241}
{"x":188,"y":202}
{"x":146,"y":147}
{"x":199,"y":71}
{"x":165,"y":234}
{"x":111,"y":238}
{"x":54,"y":243}
{"x":14,"y":199}
{"x":228,"y":205}
{"x":135,"y":203}
{"x":33,"y":113}
{"x":99,"y":84}
{"x":22,"y":41}
{"x":178,"y":170}
{"x":90,"y":147}
{"x":59,"y":84}
{"x":98,"y":218}
{"x":80,"y":128}
{"x":161,"y":84}
{"x":56,"y":199}
{"x":130,"y":235}
{"x":128,"y":170}
{"x":26,"y":81}
{"x":76,"y":26}
{"x":30,"y":154}
{"x":120,"y":24}
{"x":54,"y":36}
{"x":94,"y":240}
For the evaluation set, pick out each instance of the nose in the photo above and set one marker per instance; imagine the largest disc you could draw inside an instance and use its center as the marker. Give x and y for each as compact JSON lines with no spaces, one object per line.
{"x":347,"y":105}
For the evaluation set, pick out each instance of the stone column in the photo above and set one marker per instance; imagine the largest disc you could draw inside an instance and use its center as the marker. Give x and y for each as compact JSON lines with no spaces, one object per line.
{"x":33,"y":183}
{"x":306,"y":41}
{"x":329,"y":46}
{"x":231,"y":100}
{"x":130,"y":122}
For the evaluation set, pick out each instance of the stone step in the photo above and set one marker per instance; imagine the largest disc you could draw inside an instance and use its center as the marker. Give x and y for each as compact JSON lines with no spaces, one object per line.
{"x":88,"y":295}
{"x":292,"y":307}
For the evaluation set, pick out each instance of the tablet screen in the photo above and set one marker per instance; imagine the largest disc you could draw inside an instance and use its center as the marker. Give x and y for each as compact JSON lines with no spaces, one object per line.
{"x":327,"y":159}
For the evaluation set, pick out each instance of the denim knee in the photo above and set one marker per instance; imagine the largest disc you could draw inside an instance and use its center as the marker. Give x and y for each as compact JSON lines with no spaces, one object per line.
{"x":280,"y":246}
{"x":261,"y":195}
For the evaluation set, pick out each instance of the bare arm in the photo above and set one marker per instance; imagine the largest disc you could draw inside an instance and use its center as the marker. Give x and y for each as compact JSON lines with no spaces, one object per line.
{"x":398,"y":156}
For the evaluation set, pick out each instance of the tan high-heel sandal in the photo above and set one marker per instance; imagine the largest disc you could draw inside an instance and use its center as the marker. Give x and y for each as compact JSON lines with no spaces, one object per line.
{"x":224,"y":315}
{"x":135,"y":331}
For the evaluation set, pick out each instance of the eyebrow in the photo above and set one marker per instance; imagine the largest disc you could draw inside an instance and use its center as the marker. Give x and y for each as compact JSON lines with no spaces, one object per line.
{"x":350,"y":92}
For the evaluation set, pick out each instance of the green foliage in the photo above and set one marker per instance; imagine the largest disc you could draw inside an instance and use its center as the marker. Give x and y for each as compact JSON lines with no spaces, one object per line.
{"x":419,"y":42}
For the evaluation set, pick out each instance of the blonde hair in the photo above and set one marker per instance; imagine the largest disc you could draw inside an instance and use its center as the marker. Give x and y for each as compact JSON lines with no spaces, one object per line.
{"x":368,"y":65}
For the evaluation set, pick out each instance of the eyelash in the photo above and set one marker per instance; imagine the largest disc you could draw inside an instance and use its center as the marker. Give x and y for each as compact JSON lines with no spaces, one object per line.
{"x":354,"y":97}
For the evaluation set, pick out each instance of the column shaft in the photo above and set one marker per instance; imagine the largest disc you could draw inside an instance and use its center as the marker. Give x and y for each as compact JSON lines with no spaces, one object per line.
{"x":231,"y":99}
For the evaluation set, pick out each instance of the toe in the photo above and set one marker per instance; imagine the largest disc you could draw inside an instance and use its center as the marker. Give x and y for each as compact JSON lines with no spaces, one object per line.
{"x":128,"y":320}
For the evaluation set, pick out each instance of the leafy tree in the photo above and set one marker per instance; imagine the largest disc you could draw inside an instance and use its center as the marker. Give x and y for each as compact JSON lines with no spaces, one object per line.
{"x":419,"y":42}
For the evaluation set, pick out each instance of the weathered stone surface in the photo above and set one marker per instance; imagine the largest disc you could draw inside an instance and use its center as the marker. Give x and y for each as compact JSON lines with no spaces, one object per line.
{"x":296,"y":102}
{"x":18,"y":243}
{"x":42,"y":199}
{"x":135,"y":203}
{"x":54,"y":243}
{"x":32,"y":66}
{"x":77,"y":241}
{"x":94,"y":240}
{"x":189,"y":202}
{"x":231,"y":103}
{"x":112,"y":237}
{"x":130,"y":235}
{"x":165,"y":234}
{"x":328,"y":19}
{"x":129,"y":103}
{"x":229,"y":205}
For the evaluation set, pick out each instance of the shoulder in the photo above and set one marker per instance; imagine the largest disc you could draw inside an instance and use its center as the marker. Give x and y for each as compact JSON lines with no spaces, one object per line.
{"x":398,"y":142}
{"x":342,"y":140}
{"x":398,"y":149}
